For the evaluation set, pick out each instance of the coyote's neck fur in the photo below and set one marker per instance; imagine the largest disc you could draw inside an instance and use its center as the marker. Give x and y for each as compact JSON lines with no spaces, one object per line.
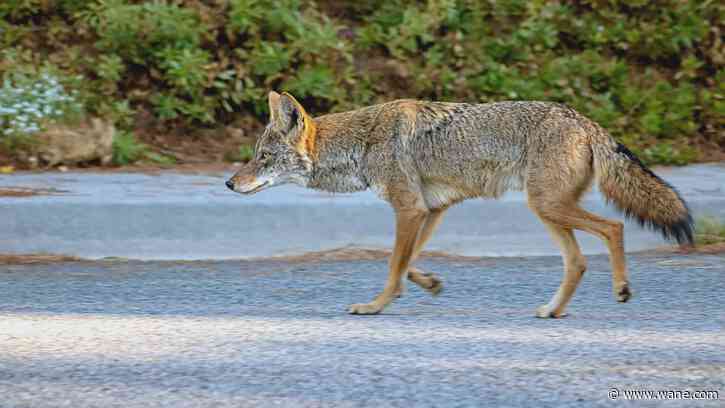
{"x":340,"y":153}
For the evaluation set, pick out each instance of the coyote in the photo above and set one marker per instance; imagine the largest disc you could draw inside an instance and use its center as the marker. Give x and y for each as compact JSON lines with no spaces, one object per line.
{"x":423,"y":157}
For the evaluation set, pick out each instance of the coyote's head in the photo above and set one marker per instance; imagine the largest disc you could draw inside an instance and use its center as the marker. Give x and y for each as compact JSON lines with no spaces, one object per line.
{"x":284,"y":151}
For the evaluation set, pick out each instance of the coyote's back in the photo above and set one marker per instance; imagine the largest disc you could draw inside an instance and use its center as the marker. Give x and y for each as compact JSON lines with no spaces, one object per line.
{"x":458,"y":151}
{"x":457,"y":157}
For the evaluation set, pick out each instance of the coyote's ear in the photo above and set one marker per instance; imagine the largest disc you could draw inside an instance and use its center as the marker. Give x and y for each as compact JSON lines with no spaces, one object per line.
{"x":273,"y":99}
{"x":291,"y":114}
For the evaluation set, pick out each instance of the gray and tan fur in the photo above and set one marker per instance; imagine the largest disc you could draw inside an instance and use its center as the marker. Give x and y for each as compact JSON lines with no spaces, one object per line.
{"x":423,"y":157}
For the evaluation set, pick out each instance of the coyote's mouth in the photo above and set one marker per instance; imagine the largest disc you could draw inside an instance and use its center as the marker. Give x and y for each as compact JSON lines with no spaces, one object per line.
{"x":255,"y":189}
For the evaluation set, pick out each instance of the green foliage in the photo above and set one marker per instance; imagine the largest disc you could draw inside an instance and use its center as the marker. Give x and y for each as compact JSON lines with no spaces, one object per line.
{"x":158,"y":158}
{"x":316,"y":81}
{"x":136,"y":32}
{"x":709,"y":230}
{"x":183,"y":69}
{"x":165,"y":39}
{"x":110,"y":68}
{"x":244,"y":154}
{"x":651,"y":73}
{"x":17,"y":9}
{"x":666,"y":153}
{"x":126,"y":149}
{"x":254,"y":17}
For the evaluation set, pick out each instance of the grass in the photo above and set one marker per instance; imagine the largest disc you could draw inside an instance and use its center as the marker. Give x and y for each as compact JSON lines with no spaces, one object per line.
{"x":127,"y":150}
{"x":709,"y":230}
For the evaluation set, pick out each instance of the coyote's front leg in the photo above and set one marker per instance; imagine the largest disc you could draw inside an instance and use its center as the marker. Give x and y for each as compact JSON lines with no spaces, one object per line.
{"x":407,"y":226}
{"x":427,"y":281}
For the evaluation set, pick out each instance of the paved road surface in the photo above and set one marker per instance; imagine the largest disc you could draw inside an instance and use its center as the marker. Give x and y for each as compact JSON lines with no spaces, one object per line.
{"x":180,"y":216}
{"x":270,"y":333}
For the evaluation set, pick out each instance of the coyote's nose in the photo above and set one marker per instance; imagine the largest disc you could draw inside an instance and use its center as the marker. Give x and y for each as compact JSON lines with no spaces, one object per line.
{"x":230,"y":184}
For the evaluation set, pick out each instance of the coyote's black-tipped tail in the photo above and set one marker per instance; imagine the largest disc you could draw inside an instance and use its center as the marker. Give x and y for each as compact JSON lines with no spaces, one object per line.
{"x":641,"y":194}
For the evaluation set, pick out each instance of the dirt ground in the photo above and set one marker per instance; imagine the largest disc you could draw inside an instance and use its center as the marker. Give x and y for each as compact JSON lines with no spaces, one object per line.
{"x":362,"y":254}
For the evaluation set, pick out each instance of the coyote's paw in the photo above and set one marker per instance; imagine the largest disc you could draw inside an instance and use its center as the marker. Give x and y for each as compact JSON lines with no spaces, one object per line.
{"x":427,"y":281}
{"x":546,"y":312}
{"x":623,"y":294}
{"x":434,"y":285}
{"x":365,"y":308}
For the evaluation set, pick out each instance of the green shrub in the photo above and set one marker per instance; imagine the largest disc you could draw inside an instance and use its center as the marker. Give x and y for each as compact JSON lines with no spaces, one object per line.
{"x":244,"y":154}
{"x":136,"y":32}
{"x":312,"y":81}
{"x":110,"y":67}
{"x":666,"y":153}
{"x":270,"y":58}
{"x":17,"y":9}
{"x":254,"y":17}
{"x":158,"y":158}
{"x":165,"y":39}
{"x":126,"y":149}
{"x":184,"y":70}
{"x":650,"y":72}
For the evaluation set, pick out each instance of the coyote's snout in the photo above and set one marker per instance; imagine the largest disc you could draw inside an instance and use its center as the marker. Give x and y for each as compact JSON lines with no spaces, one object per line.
{"x":423,"y":157}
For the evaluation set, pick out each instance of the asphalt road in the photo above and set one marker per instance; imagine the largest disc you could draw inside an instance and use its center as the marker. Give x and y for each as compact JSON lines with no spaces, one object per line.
{"x":271,"y":333}
{"x":171,"y":216}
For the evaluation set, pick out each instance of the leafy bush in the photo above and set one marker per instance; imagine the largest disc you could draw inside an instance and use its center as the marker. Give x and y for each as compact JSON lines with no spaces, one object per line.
{"x":136,"y":32}
{"x":666,"y":153}
{"x":244,"y":154}
{"x":18,"y":8}
{"x":652,"y":73}
{"x":126,"y":149}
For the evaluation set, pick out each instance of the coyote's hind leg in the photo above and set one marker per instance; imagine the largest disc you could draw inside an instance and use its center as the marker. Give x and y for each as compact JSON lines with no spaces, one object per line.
{"x":612,"y":233}
{"x":562,"y":214}
{"x":554,"y":187}
{"x":575,"y":264}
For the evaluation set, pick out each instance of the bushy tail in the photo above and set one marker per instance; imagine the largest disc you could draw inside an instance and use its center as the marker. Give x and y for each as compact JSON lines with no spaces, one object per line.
{"x":639,"y":193}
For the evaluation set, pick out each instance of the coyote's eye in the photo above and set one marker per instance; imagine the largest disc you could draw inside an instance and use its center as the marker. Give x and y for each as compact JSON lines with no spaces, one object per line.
{"x":265,"y":156}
